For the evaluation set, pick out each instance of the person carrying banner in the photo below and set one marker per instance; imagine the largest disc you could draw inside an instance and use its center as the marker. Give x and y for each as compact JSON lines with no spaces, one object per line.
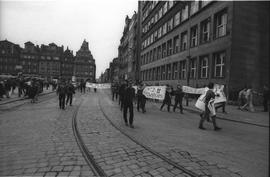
{"x":128,"y":96}
{"x":178,"y":93}
{"x":210,"y":96}
{"x":167,"y":99}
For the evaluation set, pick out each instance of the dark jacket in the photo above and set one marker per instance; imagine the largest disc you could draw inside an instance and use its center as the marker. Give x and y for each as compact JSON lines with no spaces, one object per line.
{"x":70,"y":89}
{"x":62,"y":89}
{"x":179,"y":94}
{"x":129,"y":94}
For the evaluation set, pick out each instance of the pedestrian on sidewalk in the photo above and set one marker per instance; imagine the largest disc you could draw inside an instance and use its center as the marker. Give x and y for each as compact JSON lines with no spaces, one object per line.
{"x":61,"y":92}
{"x":179,"y":94}
{"x":249,"y":100}
{"x":121,"y":95}
{"x":128,"y":97}
{"x":70,"y":92}
{"x":210,"y":95}
{"x":167,"y":99}
{"x":242,"y":98}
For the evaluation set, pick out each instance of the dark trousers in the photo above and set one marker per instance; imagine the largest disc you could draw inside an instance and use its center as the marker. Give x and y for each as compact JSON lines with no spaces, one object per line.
{"x":131,"y":114}
{"x":168,"y":102}
{"x":69,"y":98}
{"x":205,"y":116}
{"x":176,"y":102}
{"x":114,"y":95}
{"x":141,"y":103}
{"x":221,"y":105}
{"x":62,"y":98}
{"x":265,"y":104}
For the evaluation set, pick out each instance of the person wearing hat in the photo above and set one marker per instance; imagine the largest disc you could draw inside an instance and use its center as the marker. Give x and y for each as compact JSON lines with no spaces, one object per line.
{"x":179,"y":94}
{"x":128,"y":96}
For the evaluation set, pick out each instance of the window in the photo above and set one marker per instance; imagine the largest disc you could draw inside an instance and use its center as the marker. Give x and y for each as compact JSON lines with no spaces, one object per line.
{"x":175,"y":70}
{"x":169,"y":47}
{"x":160,"y":13}
{"x":221,"y":24}
{"x":168,"y":75}
{"x":170,"y":4}
{"x":150,"y":56}
{"x":154,"y":54}
{"x":163,"y":74}
{"x":182,"y":73}
{"x":159,"y":32}
{"x":194,"y":7}
{"x":156,"y":17}
{"x":204,"y":67}
{"x":193,"y":68}
{"x":147,"y":58}
{"x":155,"y":36}
{"x":152,"y":38}
{"x":170,"y":24}
{"x":164,"y":29}
{"x":163,"y":50}
{"x":183,"y":41}
{"x":159,"y":53}
{"x":177,"y":19}
{"x":158,"y":74}
{"x":184,"y":13}
{"x":219,"y":64}
{"x":205,"y":30}
{"x":194,"y":36}
{"x":153,"y":74}
{"x":165,"y":7}
{"x":176,"y":44}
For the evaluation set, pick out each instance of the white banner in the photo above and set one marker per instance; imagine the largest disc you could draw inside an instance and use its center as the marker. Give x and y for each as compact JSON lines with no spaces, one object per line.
{"x":192,"y":90}
{"x":155,"y":92}
{"x":98,"y":86}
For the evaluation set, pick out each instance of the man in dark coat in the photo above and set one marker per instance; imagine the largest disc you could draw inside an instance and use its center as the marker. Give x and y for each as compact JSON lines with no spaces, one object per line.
{"x":121,"y":95}
{"x":61,"y":92}
{"x":179,"y":94}
{"x":128,"y":96}
{"x":70,"y":92}
{"x":205,"y":115}
{"x":141,"y":99}
{"x":167,"y":99}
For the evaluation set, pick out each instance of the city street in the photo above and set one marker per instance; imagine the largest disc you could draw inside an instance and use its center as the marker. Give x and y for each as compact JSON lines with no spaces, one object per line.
{"x":38,"y":140}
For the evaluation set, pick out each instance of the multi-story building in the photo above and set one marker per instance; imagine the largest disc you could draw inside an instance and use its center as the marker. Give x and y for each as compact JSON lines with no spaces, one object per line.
{"x":9,"y":58}
{"x":114,"y":68}
{"x":195,"y":42}
{"x":67,"y":65}
{"x":50,"y":60}
{"x":85,"y":67}
{"x":29,"y":59}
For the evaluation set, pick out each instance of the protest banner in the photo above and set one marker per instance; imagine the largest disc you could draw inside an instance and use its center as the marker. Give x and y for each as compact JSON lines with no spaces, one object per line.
{"x":98,"y":86}
{"x":192,"y":90}
{"x":155,"y":92}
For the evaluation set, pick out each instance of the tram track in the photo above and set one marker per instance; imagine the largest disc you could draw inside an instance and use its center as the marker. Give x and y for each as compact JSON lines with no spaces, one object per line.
{"x":97,"y":170}
{"x":155,"y":153}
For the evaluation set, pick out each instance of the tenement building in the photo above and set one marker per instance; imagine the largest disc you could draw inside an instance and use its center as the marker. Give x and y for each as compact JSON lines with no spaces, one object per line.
{"x":29,"y":59}
{"x":9,"y":57}
{"x":194,"y":42}
{"x":67,"y":65}
{"x":85,"y":67}
{"x":50,"y":57}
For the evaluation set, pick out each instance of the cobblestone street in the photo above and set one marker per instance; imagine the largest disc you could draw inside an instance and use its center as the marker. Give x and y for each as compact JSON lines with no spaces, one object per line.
{"x":38,"y":140}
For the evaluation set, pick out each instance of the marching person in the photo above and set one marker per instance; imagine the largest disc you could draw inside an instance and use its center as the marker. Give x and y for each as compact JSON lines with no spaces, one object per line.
{"x":179,"y":94}
{"x":241,"y":97}
{"x":128,"y":96}
{"x":141,"y":99}
{"x":61,"y":92}
{"x":121,"y":95}
{"x":70,"y":92}
{"x":205,"y":115}
{"x":167,"y":99}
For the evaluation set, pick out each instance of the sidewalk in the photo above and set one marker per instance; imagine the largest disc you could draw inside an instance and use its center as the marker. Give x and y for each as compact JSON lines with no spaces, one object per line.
{"x":14,"y":97}
{"x":258,"y":117}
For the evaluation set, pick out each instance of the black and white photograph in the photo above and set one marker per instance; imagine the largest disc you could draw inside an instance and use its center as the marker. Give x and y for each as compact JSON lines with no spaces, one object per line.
{"x":132,"y":88}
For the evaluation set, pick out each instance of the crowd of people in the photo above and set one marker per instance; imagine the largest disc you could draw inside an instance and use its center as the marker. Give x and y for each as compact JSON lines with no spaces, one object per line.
{"x":27,"y":87}
{"x":126,"y":95}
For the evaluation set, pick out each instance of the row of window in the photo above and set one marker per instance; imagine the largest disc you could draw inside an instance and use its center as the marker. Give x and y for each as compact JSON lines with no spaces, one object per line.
{"x":198,"y":68}
{"x":180,"y":42}
{"x":49,"y":58}
{"x":219,"y":28}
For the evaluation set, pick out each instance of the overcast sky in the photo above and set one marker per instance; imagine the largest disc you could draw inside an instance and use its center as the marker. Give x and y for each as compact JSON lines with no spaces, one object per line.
{"x":68,"y":23}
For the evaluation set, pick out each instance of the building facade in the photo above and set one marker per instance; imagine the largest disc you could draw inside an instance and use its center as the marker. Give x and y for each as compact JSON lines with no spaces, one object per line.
{"x":195,"y":42}
{"x":50,"y":61}
{"x":85,"y":67}
{"x":29,"y":59}
{"x":67,"y":65}
{"x":9,"y":58}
